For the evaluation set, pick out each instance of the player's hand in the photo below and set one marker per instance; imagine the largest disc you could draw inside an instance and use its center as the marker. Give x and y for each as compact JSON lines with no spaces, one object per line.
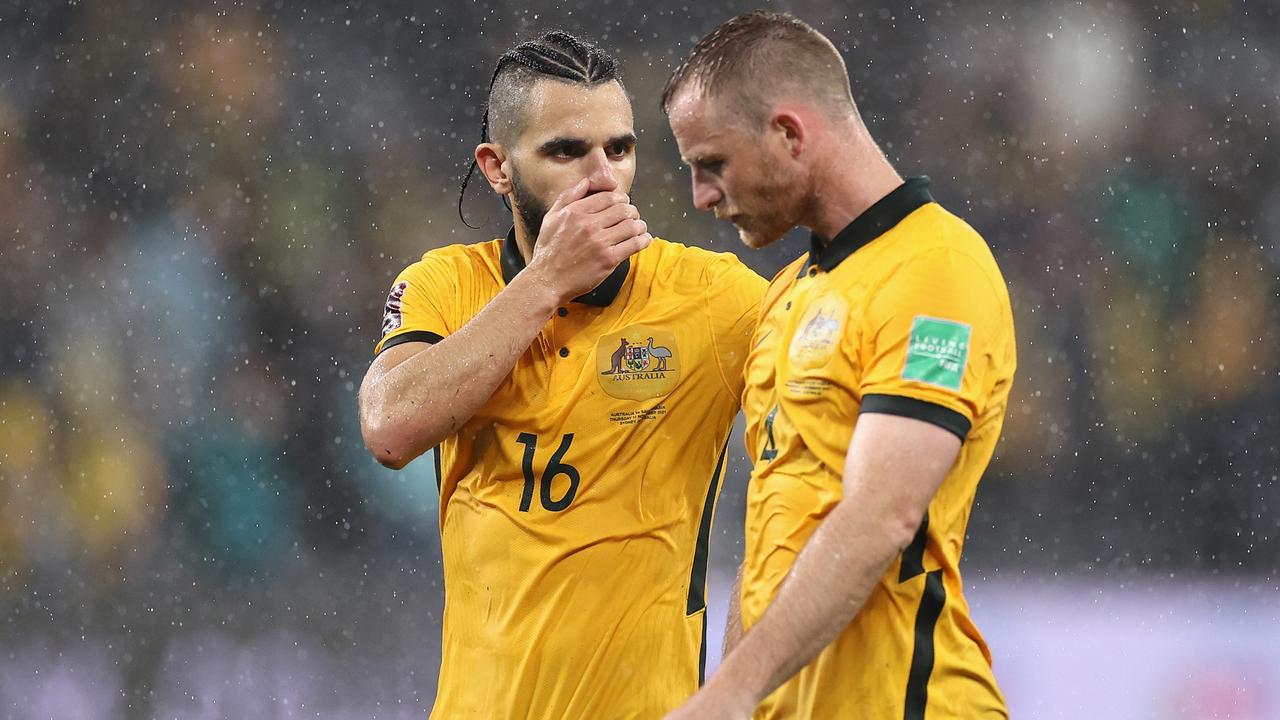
{"x":584,"y":237}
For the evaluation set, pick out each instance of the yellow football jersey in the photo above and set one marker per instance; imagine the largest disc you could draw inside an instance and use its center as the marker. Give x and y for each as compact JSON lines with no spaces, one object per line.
{"x":904,"y":312}
{"x":576,"y":505}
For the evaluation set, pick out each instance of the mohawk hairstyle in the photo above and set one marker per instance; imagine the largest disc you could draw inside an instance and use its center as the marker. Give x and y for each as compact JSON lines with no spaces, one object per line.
{"x":556,"y":55}
{"x":755,"y":58}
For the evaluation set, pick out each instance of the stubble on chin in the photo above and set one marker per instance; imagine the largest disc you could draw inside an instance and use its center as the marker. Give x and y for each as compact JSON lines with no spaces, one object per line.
{"x":781,"y":212}
{"x":759,"y":235}
{"x":752,"y":239}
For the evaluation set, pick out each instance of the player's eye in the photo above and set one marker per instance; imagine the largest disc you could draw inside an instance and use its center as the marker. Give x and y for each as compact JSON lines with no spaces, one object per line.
{"x":565,"y":150}
{"x":712,"y":166}
{"x":619,"y":149}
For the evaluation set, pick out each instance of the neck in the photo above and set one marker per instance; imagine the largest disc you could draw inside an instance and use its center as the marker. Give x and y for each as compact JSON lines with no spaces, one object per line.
{"x":524,"y":239}
{"x":854,"y":177}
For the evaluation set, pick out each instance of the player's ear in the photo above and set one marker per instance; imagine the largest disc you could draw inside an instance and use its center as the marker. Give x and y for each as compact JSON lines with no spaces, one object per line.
{"x":491,"y":158}
{"x":788,"y":127}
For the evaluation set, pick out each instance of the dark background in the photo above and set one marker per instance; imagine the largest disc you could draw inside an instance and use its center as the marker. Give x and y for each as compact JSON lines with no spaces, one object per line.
{"x":202,"y":207}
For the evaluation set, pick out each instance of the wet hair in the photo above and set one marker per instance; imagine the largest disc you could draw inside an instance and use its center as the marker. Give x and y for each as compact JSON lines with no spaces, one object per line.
{"x":556,"y":55}
{"x":758,"y":58}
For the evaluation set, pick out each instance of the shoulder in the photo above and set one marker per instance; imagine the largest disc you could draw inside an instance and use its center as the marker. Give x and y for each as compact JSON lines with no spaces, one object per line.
{"x":667,"y":253}
{"x":936,"y":228}
{"x":934,"y":242}
{"x":461,"y":254}
{"x":455,"y":261}
{"x":697,"y":265}
{"x":939,"y":266}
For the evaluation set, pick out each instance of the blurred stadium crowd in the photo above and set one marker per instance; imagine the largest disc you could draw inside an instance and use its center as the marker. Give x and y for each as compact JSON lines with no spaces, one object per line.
{"x":202,"y":207}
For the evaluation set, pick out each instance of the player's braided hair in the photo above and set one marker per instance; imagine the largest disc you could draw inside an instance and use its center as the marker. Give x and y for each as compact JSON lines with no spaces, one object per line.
{"x":556,"y":55}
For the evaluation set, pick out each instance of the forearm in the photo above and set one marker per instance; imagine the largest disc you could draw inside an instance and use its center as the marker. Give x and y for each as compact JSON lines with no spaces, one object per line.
{"x":429,"y":396}
{"x":733,"y":623}
{"x":828,"y":584}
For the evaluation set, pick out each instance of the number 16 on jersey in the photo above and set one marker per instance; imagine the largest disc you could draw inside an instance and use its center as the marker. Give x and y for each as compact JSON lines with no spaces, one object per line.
{"x":557,"y":466}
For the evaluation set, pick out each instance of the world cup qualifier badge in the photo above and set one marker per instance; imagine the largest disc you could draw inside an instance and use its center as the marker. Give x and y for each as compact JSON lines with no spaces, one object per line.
{"x":393,"y":316}
{"x":638,"y":363}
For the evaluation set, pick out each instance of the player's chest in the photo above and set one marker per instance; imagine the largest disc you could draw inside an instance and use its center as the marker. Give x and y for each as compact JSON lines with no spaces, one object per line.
{"x":609,"y":368}
{"x":810,"y":347}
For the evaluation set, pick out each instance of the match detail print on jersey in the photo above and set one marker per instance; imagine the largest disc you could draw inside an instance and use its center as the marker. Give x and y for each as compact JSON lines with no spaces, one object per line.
{"x":638,"y":363}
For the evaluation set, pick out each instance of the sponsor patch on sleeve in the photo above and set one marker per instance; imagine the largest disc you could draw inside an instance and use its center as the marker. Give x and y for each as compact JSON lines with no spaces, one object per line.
{"x":937,"y":352}
{"x":393,"y":316}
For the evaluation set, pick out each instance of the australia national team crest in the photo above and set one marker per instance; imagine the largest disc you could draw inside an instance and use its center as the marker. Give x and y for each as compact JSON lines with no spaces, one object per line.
{"x":817,"y":337}
{"x":638,"y":363}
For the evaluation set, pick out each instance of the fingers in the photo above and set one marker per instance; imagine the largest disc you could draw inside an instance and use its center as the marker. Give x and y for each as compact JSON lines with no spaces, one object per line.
{"x":597,"y":202}
{"x":572,"y":195}
{"x":622,"y":231}
{"x":630,"y":246}
{"x":615,"y":214}
{"x":608,"y":218}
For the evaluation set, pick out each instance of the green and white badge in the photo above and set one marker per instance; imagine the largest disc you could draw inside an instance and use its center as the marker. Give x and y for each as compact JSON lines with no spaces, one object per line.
{"x":937,"y":352}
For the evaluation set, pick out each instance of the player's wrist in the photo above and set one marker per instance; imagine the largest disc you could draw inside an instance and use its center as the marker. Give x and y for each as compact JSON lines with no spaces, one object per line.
{"x":552,"y":281}
{"x":539,"y":292}
{"x":732,"y":695}
{"x":743,"y":678}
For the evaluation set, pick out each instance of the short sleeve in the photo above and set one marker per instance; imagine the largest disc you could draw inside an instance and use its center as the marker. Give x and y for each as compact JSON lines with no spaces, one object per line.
{"x":928,"y":336}
{"x":419,"y":304}
{"x":734,"y":293}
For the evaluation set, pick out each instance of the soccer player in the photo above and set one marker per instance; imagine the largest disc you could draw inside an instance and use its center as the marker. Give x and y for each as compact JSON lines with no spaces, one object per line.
{"x":876,"y":389}
{"x":580,"y":379}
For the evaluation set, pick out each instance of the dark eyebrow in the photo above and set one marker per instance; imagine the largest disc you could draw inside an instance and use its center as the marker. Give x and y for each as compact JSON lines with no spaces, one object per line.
{"x":563,"y":144}
{"x":580,"y":146}
{"x":705,"y":162}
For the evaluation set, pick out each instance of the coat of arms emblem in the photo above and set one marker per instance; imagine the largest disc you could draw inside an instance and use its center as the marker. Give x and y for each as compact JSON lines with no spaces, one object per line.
{"x":638,"y":363}
{"x":636,"y":358}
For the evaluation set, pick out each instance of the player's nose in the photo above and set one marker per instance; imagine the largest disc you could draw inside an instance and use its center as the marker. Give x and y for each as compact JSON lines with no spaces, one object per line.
{"x":601,"y":173}
{"x":705,"y":194}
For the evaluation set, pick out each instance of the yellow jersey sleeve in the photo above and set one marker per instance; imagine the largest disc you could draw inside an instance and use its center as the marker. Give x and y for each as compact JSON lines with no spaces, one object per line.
{"x":420,"y":304}
{"x":734,"y":292}
{"x":929,"y":337}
